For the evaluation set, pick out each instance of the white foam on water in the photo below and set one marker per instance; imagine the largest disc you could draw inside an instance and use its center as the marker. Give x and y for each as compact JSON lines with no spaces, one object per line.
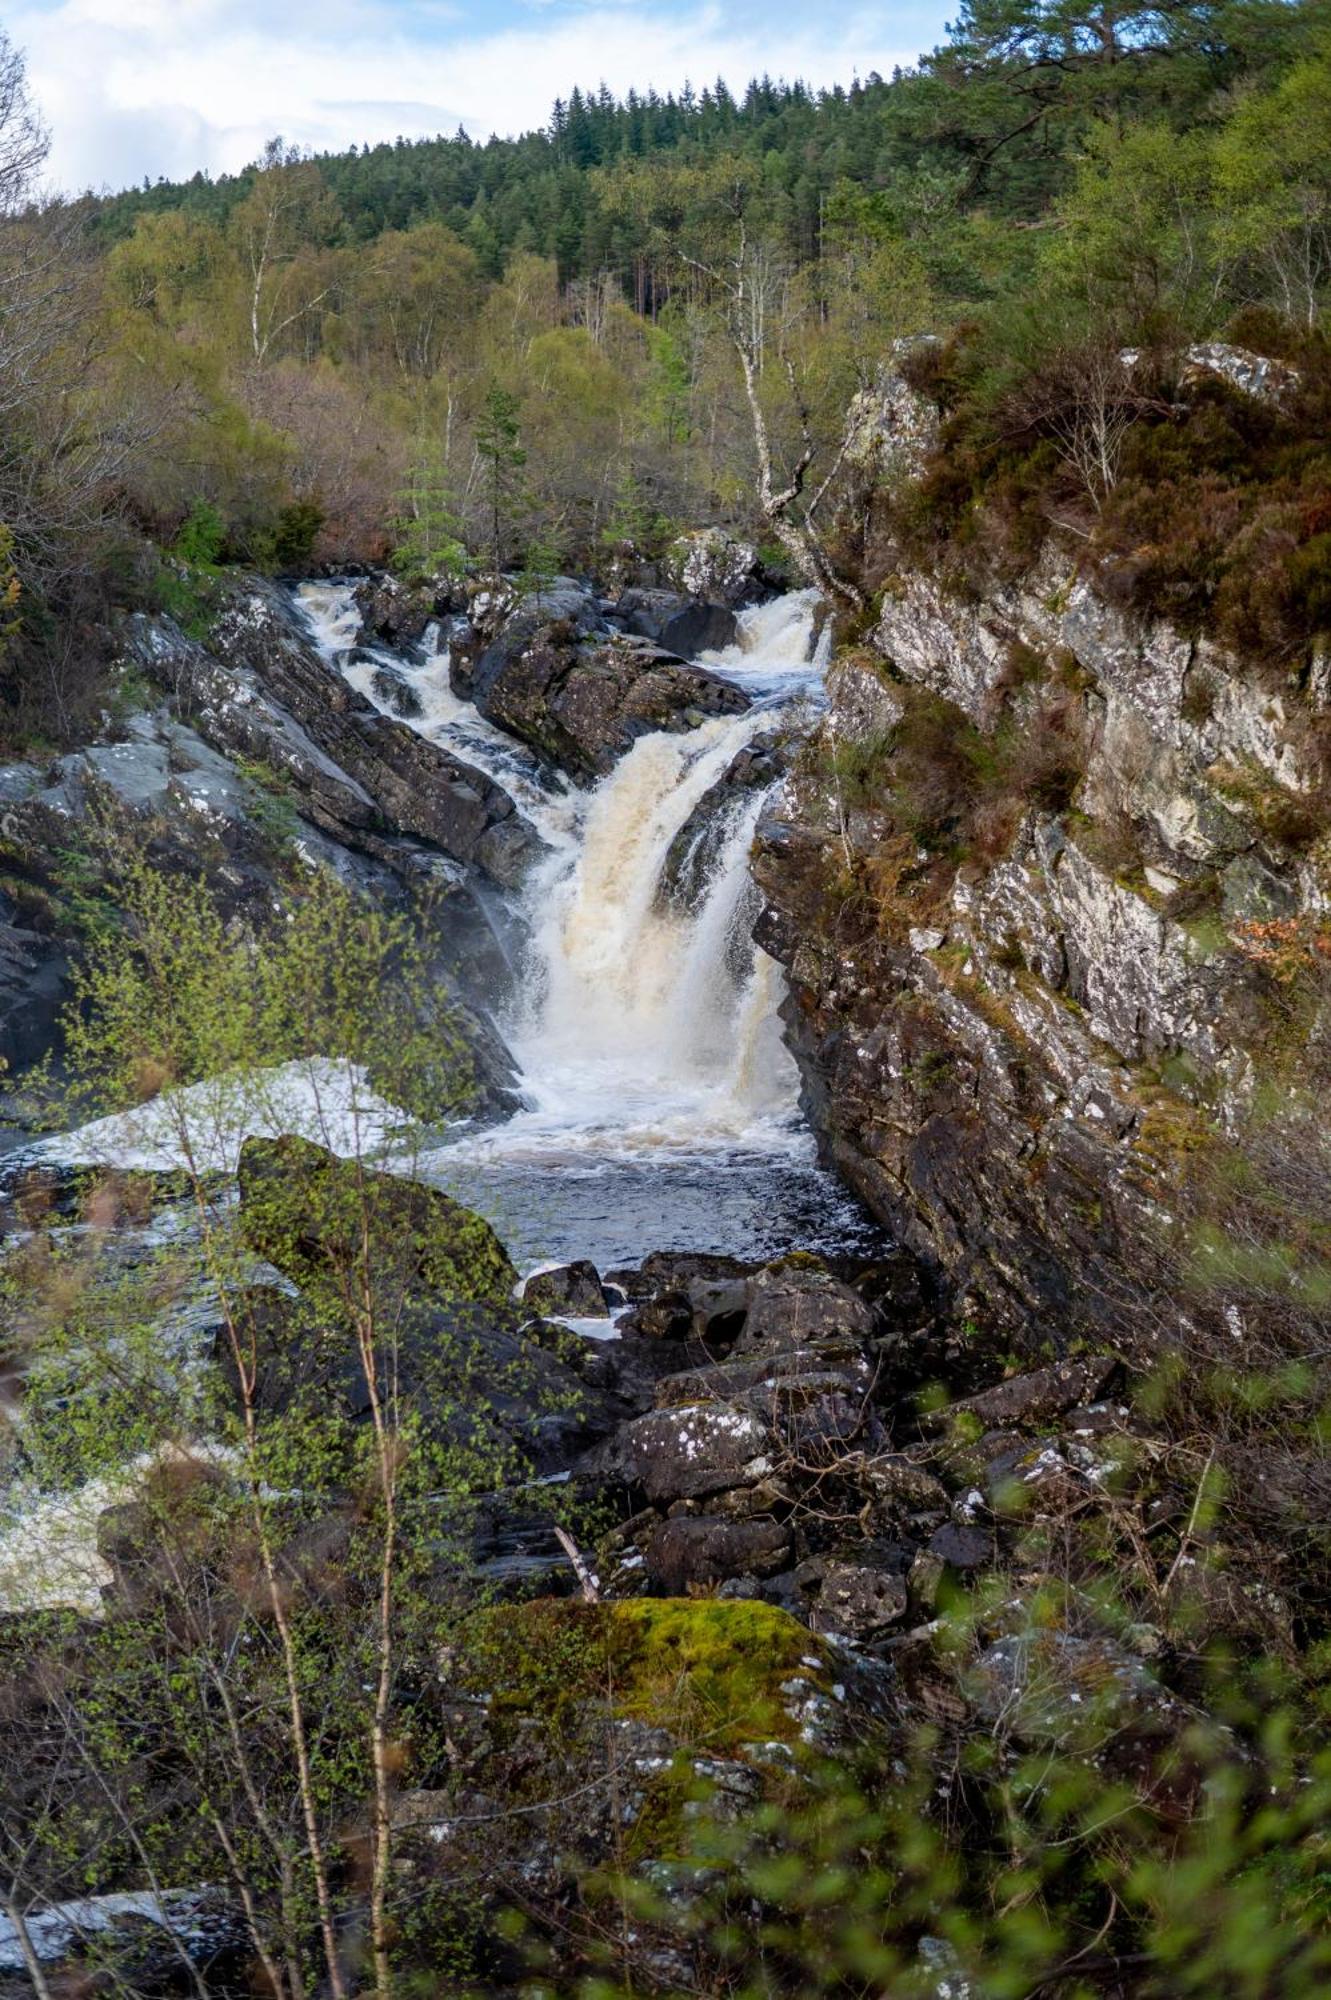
{"x":204,"y":1125}
{"x":651,"y":1031}
{"x":442,"y":717}
{"x":55,"y":1929}
{"x":645,"y":1032}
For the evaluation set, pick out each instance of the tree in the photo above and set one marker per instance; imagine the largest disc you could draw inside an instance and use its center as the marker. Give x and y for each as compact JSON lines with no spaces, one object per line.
{"x":761,"y":310}
{"x":24,"y":140}
{"x":500,"y":449}
{"x":1020,"y":81}
{"x":428,"y":539}
{"x":1273,"y":191}
{"x":419,"y":295}
{"x":288,"y":211}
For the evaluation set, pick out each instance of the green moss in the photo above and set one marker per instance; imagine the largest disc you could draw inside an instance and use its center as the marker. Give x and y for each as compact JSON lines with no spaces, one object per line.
{"x":709,"y":1670}
{"x":710,"y":1667}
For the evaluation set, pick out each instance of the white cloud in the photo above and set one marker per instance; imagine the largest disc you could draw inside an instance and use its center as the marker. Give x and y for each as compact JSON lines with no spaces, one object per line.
{"x":166,"y":86}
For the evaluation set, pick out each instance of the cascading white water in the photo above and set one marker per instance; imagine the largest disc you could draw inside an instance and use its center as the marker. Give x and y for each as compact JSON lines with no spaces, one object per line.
{"x":637,"y":1036}
{"x":647,"y":1034}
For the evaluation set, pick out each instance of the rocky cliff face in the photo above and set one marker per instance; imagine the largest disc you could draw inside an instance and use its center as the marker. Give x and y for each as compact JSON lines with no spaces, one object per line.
{"x":1017,"y":1012}
{"x":249,"y":762}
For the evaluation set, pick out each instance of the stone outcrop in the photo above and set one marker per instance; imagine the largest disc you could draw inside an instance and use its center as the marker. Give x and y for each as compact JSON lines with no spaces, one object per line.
{"x":714,"y":566}
{"x":261,"y":689}
{"x":1004,"y":1052}
{"x":551,"y":672}
{"x":252,"y":818}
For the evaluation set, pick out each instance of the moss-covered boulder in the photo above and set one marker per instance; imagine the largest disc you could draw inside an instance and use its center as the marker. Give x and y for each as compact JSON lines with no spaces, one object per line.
{"x":331,"y":1225}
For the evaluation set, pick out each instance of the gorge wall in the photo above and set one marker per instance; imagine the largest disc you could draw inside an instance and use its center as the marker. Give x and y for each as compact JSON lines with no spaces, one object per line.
{"x":1029,"y":882}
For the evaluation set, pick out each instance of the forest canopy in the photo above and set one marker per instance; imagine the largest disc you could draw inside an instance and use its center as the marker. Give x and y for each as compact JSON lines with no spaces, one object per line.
{"x":295,"y":363}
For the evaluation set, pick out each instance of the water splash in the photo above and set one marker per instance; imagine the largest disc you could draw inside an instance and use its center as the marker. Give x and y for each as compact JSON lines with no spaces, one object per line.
{"x":655,"y":1078}
{"x":433,"y":710}
{"x":647,"y":1031}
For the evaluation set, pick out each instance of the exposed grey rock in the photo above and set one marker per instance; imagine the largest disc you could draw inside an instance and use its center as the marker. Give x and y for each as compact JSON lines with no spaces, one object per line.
{"x":261,"y":690}
{"x":708,"y":1549}
{"x":580,"y":695}
{"x":1033,"y":1399}
{"x":685,"y":1452}
{"x":1257,"y":375}
{"x":856,"y":1601}
{"x":571,"y":1288}
{"x":712,"y":565}
{"x":890,"y":428}
{"x":986,"y":1078}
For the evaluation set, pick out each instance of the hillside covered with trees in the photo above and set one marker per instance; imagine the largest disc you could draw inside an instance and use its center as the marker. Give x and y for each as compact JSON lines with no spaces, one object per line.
{"x":300,"y":359}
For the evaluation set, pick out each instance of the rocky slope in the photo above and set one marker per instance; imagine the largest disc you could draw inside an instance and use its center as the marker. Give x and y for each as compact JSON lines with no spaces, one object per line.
{"x":788,"y":1510}
{"x":1019,"y":884}
{"x":249,"y":761}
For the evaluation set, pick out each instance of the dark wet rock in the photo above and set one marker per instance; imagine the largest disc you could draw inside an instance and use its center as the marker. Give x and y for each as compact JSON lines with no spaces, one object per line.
{"x":797,"y":1305}
{"x":683,"y":1452}
{"x":34,"y":989}
{"x":627,"y":1370}
{"x":691,"y":859}
{"x":684,"y":626}
{"x":574,"y":1289}
{"x":700,"y":628}
{"x":855,"y":1600}
{"x":579,"y":694}
{"x":647,"y":610}
{"x":704,"y":1550}
{"x":396,"y":692}
{"x":962,"y":1546}
{"x":474,"y":1380}
{"x":1033,"y":1399}
{"x":399,"y":614}
{"x":677,"y":1270}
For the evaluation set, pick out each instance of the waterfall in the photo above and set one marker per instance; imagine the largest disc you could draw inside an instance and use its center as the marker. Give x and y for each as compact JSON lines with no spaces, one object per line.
{"x":643,"y":1030}
{"x":643,"y":1024}
{"x":647,"y":1031}
{"x":660,"y":1104}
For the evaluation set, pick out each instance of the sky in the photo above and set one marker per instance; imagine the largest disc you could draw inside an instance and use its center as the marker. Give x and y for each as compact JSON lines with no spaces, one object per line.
{"x":161,"y":87}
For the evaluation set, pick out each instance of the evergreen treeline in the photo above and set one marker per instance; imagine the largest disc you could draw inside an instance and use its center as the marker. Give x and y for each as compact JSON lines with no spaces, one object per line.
{"x":998,"y":111}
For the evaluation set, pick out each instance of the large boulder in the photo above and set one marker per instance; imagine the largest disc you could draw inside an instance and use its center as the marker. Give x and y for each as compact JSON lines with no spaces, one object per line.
{"x":692,"y":1551}
{"x":683,"y":1452}
{"x":684,"y":625}
{"x":713,"y":565}
{"x":311,"y":1214}
{"x":579,"y":694}
{"x":574,"y":1289}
